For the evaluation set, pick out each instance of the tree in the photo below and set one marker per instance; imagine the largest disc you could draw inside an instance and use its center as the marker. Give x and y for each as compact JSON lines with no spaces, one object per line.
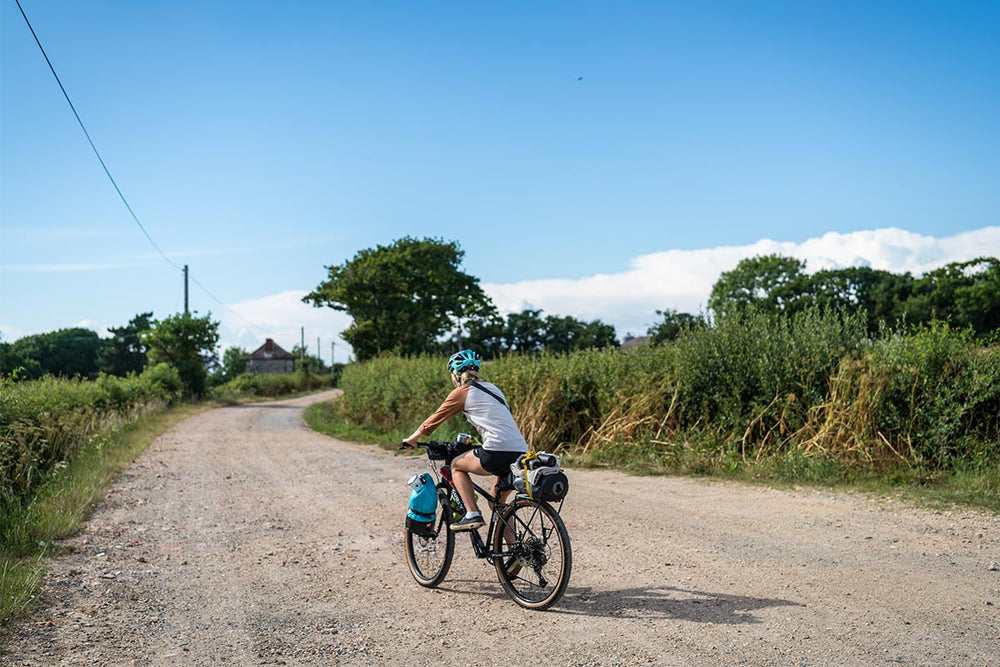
{"x":485,"y":334}
{"x":525,"y":331}
{"x":13,"y":363}
{"x":66,"y":352}
{"x":858,"y":288}
{"x":566,"y":334}
{"x":307,"y":363}
{"x":758,"y":282}
{"x":673,"y":324}
{"x":403,"y":297}
{"x":963,"y":293}
{"x":234,"y":364}
{"x":597,"y":334}
{"x":966,"y":294}
{"x":125,"y":352}
{"x":187,"y":343}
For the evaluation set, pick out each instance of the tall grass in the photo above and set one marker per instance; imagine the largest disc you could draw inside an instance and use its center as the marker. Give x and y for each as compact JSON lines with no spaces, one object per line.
{"x":44,"y":423}
{"x":929,"y":399}
{"x":809,"y":396}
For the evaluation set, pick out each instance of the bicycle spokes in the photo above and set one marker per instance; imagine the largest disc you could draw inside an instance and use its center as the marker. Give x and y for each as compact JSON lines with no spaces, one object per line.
{"x":534,"y":569}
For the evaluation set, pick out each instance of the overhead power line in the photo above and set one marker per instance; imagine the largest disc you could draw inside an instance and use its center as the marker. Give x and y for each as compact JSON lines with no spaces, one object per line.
{"x":220,"y":302}
{"x":87,"y":134}
{"x":112,"y":178}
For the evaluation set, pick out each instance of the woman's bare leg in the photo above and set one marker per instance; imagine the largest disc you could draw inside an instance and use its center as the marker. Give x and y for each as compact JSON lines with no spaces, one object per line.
{"x":461,"y":466}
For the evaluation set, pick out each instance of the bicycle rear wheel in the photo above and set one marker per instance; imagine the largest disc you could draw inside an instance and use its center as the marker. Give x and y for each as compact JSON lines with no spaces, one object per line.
{"x":430,"y":557}
{"x":536,"y":574}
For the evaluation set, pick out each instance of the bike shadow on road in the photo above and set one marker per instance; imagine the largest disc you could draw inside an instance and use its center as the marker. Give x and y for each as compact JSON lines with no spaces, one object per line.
{"x":668,"y":602}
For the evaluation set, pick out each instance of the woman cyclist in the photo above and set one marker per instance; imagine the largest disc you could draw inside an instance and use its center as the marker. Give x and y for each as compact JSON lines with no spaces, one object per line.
{"x":486,"y":408}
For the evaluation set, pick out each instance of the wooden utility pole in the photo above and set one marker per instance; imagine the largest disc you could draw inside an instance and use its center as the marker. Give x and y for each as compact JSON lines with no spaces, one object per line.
{"x":185,"y":289}
{"x":302,"y":345}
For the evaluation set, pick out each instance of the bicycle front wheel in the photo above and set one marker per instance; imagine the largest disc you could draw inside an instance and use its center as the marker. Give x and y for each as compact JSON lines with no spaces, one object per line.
{"x":536,"y":573}
{"x":430,"y":557}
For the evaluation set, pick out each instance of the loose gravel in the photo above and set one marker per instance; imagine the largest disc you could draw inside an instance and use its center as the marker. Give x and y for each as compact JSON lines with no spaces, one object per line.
{"x":242,"y":537}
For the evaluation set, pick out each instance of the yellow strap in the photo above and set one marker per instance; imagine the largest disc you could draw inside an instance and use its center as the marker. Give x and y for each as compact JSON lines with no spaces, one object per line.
{"x":527,"y":484}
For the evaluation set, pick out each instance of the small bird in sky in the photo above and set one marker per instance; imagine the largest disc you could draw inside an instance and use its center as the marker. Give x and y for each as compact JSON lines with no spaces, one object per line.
{"x":579,"y":78}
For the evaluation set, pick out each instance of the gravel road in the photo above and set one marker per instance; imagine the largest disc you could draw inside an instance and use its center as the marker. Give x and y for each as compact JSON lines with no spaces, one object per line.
{"x":242,"y":537}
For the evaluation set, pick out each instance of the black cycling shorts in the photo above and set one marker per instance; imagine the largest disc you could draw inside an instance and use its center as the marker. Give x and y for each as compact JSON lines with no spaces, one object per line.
{"x":496,"y":463}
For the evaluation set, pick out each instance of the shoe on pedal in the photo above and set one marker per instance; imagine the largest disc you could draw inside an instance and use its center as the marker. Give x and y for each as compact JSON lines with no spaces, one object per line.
{"x":468,"y":523}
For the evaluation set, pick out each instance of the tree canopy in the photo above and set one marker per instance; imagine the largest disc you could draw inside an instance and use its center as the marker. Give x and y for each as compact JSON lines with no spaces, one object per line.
{"x":527,"y":331}
{"x":233,"y":364}
{"x":756,"y":281}
{"x":66,"y":352}
{"x":672,"y":325}
{"x":961,"y":293}
{"x":402,"y":297}
{"x":125,"y":352}
{"x":187,"y":343}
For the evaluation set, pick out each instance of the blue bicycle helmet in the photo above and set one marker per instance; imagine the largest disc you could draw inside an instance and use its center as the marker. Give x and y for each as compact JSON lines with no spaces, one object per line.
{"x":464,"y":360}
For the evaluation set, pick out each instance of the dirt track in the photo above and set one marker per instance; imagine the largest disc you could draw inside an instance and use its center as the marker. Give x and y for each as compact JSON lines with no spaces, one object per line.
{"x":242,"y":537}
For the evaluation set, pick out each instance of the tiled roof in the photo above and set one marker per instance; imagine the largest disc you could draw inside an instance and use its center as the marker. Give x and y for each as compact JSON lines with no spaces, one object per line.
{"x":269,"y":350}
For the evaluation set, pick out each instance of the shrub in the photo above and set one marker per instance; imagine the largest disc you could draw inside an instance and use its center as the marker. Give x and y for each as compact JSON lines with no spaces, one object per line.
{"x":930,"y":398}
{"x":44,"y":422}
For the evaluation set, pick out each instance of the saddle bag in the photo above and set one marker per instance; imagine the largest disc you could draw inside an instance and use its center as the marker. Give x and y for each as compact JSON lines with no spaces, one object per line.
{"x":539,"y":477}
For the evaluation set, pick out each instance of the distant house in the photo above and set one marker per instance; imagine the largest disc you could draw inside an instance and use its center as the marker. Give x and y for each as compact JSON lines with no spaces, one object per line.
{"x":631,"y":341}
{"x":270,"y":358}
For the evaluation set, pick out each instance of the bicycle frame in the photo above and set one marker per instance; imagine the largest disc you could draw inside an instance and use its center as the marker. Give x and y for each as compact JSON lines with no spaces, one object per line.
{"x":445,"y":484}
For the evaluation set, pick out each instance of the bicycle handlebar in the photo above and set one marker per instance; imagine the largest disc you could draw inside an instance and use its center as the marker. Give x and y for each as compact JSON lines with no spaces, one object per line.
{"x":432,"y":443}
{"x":438,"y":449}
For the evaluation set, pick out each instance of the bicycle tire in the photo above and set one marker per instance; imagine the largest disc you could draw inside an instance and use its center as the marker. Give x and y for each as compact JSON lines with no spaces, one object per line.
{"x":427,"y":558}
{"x":541,"y":548}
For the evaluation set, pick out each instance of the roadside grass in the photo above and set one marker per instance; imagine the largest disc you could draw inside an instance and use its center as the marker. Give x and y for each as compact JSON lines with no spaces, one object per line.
{"x":59,"y":507}
{"x":324,"y":417}
{"x":972,"y":486}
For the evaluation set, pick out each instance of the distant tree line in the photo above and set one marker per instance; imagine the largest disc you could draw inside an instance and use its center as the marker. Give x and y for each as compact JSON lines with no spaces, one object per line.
{"x":79,"y":352}
{"x":529,"y":332}
{"x":964,"y":294}
{"x":185,"y":341}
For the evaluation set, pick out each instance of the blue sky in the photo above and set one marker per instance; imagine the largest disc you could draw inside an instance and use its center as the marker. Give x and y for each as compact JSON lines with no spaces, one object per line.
{"x":595,"y":159}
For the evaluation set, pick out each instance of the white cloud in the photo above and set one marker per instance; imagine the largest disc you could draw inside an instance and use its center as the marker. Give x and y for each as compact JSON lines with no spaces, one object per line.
{"x":92,"y":325}
{"x":8,"y":334}
{"x":682,"y":279}
{"x":281,"y":316}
